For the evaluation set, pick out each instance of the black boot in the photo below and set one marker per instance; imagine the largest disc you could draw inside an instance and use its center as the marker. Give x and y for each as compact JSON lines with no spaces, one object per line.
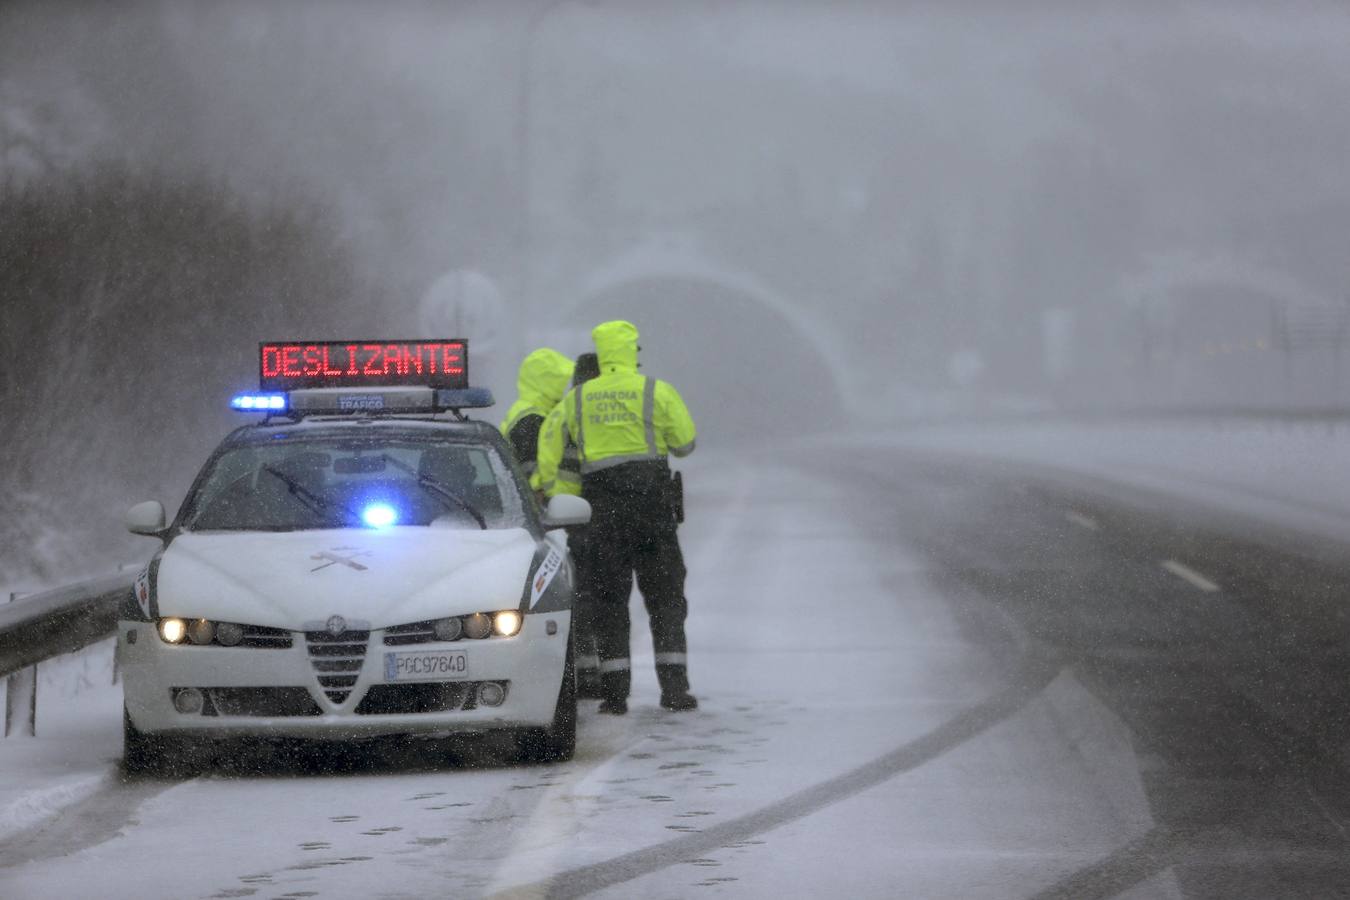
{"x":614,"y":688}
{"x":680,"y":701}
{"x":613,"y":706}
{"x":588,"y":684}
{"x":675,"y":694}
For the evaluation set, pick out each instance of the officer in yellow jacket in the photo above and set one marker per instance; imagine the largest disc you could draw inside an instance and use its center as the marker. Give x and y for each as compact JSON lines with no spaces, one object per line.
{"x":624,"y":425}
{"x":567,"y":480}
{"x":541,"y":383}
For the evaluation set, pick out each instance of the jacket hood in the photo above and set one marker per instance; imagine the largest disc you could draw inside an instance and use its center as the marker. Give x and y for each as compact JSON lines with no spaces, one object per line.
{"x":616,"y":343}
{"x":544,"y":377}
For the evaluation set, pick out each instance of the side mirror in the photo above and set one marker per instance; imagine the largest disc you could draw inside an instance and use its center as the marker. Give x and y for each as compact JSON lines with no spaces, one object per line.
{"x":566,"y":509}
{"x":146,"y":518}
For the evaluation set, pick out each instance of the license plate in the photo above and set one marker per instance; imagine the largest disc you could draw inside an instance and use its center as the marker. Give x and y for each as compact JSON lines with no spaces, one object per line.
{"x":426,"y":665}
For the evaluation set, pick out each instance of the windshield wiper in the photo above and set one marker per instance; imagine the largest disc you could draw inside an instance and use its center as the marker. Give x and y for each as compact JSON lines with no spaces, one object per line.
{"x":316,"y":504}
{"x":440,"y":490}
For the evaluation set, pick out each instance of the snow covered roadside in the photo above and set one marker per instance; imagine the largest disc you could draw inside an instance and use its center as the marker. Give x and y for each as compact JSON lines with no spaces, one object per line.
{"x":820,"y":648}
{"x":1047,"y":790}
{"x":1294,"y":475}
{"x":77,"y":746}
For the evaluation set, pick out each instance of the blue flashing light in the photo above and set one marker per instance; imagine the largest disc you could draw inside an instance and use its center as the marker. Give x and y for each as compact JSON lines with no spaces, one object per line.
{"x":464,"y":398}
{"x":379,"y":515}
{"x":268,"y":403}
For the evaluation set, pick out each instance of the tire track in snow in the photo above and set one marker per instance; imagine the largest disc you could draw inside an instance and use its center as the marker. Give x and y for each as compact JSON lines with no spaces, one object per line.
{"x":98,"y":818}
{"x":1034,"y":674}
{"x":1150,"y":854}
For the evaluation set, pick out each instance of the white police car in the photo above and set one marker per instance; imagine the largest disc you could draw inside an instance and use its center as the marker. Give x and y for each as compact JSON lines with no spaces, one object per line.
{"x":364,"y":561}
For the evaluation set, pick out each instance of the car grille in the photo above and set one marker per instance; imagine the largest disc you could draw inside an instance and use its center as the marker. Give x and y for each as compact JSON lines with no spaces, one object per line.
{"x":337,"y":660}
{"x":412,"y":633}
{"x":262,"y":636}
{"x":396,"y":699}
{"x":267,"y":702}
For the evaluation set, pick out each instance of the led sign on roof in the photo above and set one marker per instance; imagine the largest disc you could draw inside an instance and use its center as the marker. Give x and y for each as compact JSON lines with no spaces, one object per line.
{"x":295,"y":365}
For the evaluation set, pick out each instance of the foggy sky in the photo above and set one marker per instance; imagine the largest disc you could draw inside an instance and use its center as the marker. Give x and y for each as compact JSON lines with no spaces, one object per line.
{"x":927,"y":181}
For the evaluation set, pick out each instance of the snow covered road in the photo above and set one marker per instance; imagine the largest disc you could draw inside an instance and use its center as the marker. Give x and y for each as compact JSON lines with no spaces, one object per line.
{"x":868,"y":728}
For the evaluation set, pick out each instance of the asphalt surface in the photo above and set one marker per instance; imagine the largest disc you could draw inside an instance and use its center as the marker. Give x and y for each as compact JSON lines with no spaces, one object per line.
{"x":1222,"y":644}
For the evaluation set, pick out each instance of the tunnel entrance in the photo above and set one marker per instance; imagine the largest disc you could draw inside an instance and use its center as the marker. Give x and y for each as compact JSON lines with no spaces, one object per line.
{"x":743,"y":368}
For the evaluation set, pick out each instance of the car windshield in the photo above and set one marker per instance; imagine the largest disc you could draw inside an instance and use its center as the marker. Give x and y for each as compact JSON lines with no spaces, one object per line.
{"x":312,"y":482}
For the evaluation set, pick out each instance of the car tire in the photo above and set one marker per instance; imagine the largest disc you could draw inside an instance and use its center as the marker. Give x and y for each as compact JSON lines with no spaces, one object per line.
{"x":144,"y":754}
{"x":558,"y":742}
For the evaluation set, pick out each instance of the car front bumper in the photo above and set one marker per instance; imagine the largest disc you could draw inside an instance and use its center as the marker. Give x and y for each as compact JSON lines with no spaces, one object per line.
{"x":529,"y":666}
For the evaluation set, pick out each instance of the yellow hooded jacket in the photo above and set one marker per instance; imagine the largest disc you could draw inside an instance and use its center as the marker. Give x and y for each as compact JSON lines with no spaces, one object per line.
{"x":566,"y":470}
{"x":620,"y":416}
{"x":543,"y":378}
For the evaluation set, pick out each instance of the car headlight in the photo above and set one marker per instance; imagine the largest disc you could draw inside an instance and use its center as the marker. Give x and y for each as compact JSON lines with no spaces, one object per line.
{"x":478,"y":625}
{"x":172,"y":630}
{"x":201,"y":631}
{"x":228,"y":633}
{"x":473,"y":626}
{"x":448,"y":629}
{"x":506,"y":623}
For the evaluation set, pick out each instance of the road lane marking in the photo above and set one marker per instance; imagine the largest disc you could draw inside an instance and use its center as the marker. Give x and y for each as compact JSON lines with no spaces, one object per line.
{"x":1186,"y":573}
{"x":1078,"y":518}
{"x":1322,"y":807}
{"x":1034,"y":674}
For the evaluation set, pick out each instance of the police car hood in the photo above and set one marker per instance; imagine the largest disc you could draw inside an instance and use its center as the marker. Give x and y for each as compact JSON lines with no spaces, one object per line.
{"x":374,"y":578}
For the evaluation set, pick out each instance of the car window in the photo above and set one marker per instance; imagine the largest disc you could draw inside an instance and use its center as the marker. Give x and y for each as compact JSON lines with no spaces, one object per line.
{"x":339,"y":482}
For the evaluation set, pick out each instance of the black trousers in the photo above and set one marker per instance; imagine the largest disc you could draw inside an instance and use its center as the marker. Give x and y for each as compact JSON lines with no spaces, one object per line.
{"x":633,"y":531}
{"x":583,"y":606}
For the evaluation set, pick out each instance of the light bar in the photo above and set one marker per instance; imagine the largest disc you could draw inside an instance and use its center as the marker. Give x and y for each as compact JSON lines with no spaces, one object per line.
{"x":464,"y":398}
{"x":259,"y":403}
{"x":364,"y":401}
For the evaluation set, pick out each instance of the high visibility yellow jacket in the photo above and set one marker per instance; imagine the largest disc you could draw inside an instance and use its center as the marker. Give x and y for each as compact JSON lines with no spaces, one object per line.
{"x":543,"y":378}
{"x":620,"y":416}
{"x":566,"y":476}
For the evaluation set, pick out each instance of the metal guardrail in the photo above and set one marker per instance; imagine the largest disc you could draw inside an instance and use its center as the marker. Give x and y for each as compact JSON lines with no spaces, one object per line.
{"x":21,"y":698}
{"x":1081,"y":415}
{"x":64,"y":620}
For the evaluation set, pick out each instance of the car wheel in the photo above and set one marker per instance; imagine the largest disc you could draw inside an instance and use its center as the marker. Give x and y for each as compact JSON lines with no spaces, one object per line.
{"x":144,"y":754}
{"x":558,"y":742}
